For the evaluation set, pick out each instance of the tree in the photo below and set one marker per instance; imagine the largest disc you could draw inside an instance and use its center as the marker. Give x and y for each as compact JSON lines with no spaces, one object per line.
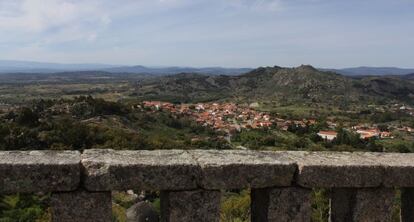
{"x":383,"y":127}
{"x":373,"y":146}
{"x":72,"y":134}
{"x":27,"y":117}
{"x":347,"y":138}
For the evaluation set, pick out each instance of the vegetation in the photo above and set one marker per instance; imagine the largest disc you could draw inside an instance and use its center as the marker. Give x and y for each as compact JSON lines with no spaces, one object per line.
{"x":235,"y":207}
{"x":283,"y":86}
{"x":24,"y":208}
{"x":306,"y":138}
{"x":85,"y":123}
{"x":51,"y":111}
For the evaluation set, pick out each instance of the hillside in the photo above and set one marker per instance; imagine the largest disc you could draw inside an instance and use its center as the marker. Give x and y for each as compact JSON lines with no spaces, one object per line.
{"x":388,"y":88}
{"x":186,"y":88}
{"x":303,"y":83}
{"x":409,"y":76}
{"x":371,"y":71}
{"x":85,"y":123}
{"x":287,"y":85}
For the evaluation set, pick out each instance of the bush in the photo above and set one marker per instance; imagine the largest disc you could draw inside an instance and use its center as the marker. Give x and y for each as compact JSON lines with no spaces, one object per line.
{"x":19,"y":207}
{"x":320,"y":205}
{"x":235,"y":207}
{"x":118,"y":213}
{"x":27,"y":117}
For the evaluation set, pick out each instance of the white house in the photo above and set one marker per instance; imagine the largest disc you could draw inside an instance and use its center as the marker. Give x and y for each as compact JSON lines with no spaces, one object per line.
{"x":328,"y":135}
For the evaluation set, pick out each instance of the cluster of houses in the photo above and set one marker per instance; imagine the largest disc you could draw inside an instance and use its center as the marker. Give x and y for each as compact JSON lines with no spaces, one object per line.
{"x":364,"y":133}
{"x":228,"y":117}
{"x":403,"y":108}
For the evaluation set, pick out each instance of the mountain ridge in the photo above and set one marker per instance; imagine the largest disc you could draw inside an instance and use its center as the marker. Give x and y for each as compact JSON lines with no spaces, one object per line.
{"x":371,"y":71}
{"x":12,"y":66}
{"x":8,"y":66}
{"x":294,"y":85}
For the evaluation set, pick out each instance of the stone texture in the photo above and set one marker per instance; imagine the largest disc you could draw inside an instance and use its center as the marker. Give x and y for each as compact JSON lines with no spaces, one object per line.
{"x":190,"y":206}
{"x":142,"y":212}
{"x":398,"y":168}
{"x":143,"y":170}
{"x":337,"y":169}
{"x":235,"y":169}
{"x":39,"y":171}
{"x":362,"y":205}
{"x":341,"y":204}
{"x":289,"y":204}
{"x":81,"y":206}
{"x":407,"y":205}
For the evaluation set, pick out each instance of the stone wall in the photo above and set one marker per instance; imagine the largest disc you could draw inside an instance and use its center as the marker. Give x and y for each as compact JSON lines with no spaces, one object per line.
{"x":362,"y":185}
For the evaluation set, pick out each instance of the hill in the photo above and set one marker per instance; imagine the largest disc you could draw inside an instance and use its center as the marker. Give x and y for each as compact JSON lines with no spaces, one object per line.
{"x":386,"y":88}
{"x":177,"y":70}
{"x":10,"y":66}
{"x":371,"y":71}
{"x":409,"y":76}
{"x":185,"y":87}
{"x":303,"y":84}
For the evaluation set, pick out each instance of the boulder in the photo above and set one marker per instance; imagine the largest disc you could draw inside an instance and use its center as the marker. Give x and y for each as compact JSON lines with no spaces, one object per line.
{"x":142,"y":212}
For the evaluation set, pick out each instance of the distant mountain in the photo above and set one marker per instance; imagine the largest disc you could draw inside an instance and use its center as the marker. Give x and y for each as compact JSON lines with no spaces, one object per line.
{"x":303,"y":84}
{"x":176,"y":70}
{"x":371,"y":71}
{"x":9,"y":66}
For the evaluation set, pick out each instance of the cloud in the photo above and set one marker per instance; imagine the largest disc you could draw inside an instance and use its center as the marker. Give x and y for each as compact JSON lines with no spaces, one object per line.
{"x":202,"y":31}
{"x":52,"y":21}
{"x":268,"y":5}
{"x":38,"y":16}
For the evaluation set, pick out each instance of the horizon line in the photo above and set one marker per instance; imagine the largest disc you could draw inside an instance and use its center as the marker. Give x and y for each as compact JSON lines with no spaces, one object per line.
{"x":189,"y":66}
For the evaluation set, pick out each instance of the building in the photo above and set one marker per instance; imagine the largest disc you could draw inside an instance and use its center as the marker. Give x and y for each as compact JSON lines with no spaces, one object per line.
{"x":328,"y":135}
{"x":386,"y":134}
{"x":368,"y":133}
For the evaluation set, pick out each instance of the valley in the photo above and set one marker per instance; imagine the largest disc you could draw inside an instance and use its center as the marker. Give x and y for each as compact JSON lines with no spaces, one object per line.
{"x":269,"y":108}
{"x":282,"y":108}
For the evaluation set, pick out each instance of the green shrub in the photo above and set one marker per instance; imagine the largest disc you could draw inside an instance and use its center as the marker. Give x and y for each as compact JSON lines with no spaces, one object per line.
{"x":235,"y":207}
{"x":19,"y":207}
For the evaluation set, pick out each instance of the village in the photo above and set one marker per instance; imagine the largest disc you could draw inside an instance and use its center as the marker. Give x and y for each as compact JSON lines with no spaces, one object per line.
{"x":230,"y":118}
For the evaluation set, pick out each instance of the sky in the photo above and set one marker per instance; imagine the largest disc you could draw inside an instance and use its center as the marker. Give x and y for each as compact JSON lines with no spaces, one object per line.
{"x":201,"y":33}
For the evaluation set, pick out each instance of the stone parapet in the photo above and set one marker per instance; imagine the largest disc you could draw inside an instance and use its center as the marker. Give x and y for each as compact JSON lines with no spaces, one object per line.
{"x":361,"y":185}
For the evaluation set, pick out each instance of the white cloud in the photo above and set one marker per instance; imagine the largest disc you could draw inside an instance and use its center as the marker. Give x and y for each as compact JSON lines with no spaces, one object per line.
{"x":194,"y":31}
{"x":37,"y":16}
{"x":51,"y":21}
